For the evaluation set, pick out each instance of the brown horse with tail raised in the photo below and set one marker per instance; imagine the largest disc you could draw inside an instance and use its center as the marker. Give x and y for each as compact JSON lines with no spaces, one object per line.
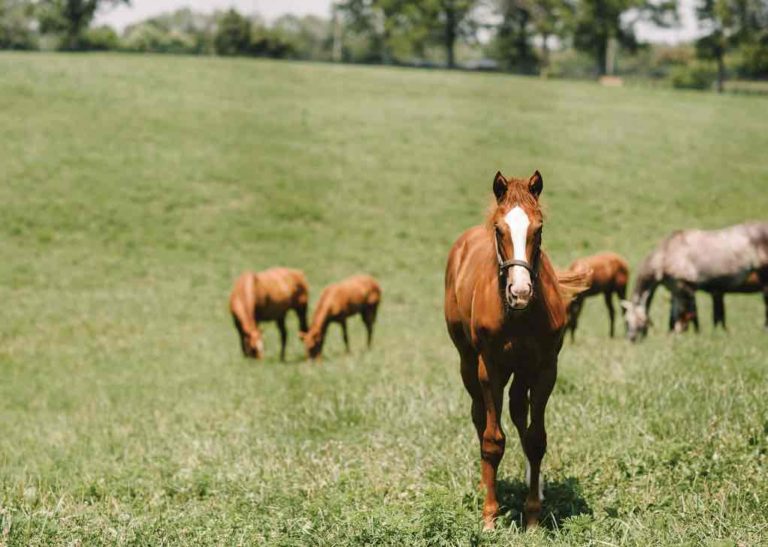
{"x":505,"y":309}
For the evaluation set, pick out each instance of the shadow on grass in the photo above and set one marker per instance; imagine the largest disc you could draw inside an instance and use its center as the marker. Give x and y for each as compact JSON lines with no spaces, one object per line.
{"x":562,"y":499}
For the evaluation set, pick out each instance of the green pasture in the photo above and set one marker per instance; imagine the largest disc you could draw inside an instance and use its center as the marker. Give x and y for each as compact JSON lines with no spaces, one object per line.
{"x":133,"y":189}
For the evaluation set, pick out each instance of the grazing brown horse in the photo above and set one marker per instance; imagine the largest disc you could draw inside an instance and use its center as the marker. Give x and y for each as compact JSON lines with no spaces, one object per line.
{"x":267,"y":296}
{"x":357,"y":294}
{"x":610,"y":274}
{"x":505,"y":309}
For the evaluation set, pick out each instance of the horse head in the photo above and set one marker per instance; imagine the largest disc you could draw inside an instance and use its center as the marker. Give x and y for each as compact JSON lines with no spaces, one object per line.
{"x":253,"y":344}
{"x":636,"y":320}
{"x":517,"y":221}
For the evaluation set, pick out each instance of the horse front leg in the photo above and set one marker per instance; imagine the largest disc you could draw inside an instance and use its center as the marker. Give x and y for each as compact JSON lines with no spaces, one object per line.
{"x":535,"y":441}
{"x":492,"y":440}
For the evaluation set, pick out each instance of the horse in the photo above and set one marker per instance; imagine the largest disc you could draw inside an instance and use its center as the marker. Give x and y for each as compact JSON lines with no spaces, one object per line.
{"x":339,"y":301}
{"x":716,"y":261}
{"x":267,"y":296}
{"x":610,"y":274}
{"x":505,"y":311}
{"x":751,"y":285}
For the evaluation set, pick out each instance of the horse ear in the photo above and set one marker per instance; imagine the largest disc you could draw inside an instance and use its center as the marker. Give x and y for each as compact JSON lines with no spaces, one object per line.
{"x":626,"y":304}
{"x":499,"y":186}
{"x":536,"y":184}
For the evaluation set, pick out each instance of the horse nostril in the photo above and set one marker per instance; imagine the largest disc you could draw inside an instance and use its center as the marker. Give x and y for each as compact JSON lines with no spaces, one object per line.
{"x":524,"y":292}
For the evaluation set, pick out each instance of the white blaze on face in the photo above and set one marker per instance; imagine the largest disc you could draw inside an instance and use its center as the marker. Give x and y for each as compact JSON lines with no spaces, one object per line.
{"x":518,"y":223}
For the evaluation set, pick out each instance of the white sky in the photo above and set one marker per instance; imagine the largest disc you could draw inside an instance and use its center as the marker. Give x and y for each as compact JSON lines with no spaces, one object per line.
{"x":121,"y":16}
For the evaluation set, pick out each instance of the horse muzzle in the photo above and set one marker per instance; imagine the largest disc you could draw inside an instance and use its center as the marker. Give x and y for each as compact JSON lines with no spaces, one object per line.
{"x":518,"y":299}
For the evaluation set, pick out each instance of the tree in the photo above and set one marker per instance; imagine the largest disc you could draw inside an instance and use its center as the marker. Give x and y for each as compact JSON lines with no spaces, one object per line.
{"x":601,"y":25}
{"x":452,"y":18}
{"x":379,"y":21}
{"x":180,"y":31}
{"x":71,"y":17}
{"x":512,"y":44}
{"x":309,"y":37}
{"x":550,"y":18}
{"x":16,"y":24}
{"x":729,"y":23}
{"x":233,"y":34}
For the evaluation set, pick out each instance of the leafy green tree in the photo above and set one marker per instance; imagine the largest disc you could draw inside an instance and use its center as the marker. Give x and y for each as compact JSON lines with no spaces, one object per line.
{"x":729,"y":23}
{"x":309,"y":37}
{"x":233,"y":34}
{"x":511,"y":45}
{"x":180,"y":31}
{"x":754,"y":57}
{"x":451,"y":21}
{"x":601,"y":24}
{"x":16,"y":24}
{"x":409,"y":26}
{"x":380,"y":22}
{"x":551,"y":18}
{"x":71,"y":18}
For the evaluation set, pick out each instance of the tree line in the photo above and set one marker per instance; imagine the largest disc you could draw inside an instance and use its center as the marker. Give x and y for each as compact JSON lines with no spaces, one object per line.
{"x":524,"y":36}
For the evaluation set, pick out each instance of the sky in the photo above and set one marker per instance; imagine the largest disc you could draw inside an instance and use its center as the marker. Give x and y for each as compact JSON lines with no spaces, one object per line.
{"x":121,"y":16}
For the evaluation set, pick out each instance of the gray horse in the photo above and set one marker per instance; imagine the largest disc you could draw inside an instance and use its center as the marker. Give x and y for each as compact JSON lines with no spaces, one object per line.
{"x":716,"y":261}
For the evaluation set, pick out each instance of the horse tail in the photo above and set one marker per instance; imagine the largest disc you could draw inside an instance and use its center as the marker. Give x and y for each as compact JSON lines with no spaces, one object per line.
{"x":573,"y":282}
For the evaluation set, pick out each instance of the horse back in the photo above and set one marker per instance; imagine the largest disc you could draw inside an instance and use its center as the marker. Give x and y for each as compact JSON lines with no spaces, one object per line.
{"x":279,"y":290}
{"x":610,"y":271}
{"x":350,"y":296}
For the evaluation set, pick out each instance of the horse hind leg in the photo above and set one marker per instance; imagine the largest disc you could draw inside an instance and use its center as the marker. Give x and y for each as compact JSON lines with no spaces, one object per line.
{"x":765,"y":301}
{"x":301,"y":312}
{"x":283,"y":337}
{"x":345,"y":334}
{"x":718,"y":309}
{"x":369,"y":318}
{"x":608,"y":295}
{"x":574,"y":310}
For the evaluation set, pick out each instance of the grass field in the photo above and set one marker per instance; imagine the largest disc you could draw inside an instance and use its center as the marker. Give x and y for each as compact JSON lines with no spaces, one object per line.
{"x":134,"y":189}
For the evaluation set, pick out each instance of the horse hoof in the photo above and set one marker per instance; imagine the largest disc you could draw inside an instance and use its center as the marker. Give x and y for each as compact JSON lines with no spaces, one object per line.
{"x":532,"y":512}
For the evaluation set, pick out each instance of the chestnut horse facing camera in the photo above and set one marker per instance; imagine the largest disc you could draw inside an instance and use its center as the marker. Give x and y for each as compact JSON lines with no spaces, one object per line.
{"x":610,"y":274}
{"x":357,"y":294}
{"x":267,"y":296}
{"x":505,"y":309}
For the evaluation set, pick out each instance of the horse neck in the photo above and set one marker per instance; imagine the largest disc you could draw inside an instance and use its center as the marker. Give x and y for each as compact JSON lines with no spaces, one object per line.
{"x":320,"y":318}
{"x":645,"y":285}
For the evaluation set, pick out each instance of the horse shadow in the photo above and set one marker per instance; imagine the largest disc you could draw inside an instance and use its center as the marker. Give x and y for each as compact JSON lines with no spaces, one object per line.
{"x":562,"y":499}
